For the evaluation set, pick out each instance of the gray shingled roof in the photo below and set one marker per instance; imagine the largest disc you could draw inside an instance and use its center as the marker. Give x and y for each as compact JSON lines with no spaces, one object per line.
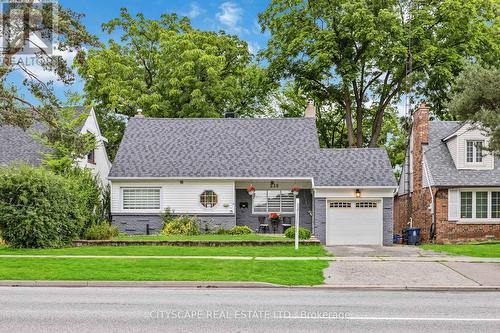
{"x":441,"y":165}
{"x":354,"y":167}
{"x":19,"y":146}
{"x":234,"y":148}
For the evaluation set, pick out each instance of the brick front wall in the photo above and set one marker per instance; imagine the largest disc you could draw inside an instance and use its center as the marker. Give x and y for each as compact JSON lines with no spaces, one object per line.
{"x":446,"y":231}
{"x":452,"y":232}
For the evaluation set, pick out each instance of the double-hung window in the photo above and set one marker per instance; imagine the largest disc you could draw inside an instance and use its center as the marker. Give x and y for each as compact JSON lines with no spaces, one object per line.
{"x":479,"y":204}
{"x":474,"y":152}
{"x":141,"y":198}
{"x":273,"y":201}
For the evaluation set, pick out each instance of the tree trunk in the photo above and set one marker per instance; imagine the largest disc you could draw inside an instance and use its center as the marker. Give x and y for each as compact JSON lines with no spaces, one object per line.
{"x":377,"y":127}
{"x":348,"y":122}
{"x":359,"y":126}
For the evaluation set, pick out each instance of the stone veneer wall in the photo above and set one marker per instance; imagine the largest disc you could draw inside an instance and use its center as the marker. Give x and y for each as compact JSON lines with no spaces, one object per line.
{"x":137,"y":224}
{"x":320,"y":219}
{"x":388,"y":204}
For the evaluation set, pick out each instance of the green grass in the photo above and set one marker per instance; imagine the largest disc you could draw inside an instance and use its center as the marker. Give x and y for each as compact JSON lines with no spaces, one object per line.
{"x":203,"y":237}
{"x":279,"y":272}
{"x":491,"y":250}
{"x":152,"y":250}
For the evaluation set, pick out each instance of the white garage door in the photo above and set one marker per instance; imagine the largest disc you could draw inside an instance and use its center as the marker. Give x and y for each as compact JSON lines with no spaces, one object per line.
{"x":354,"y":222}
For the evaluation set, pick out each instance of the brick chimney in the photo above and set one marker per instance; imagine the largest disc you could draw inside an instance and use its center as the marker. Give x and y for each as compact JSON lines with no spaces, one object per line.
{"x":420,"y":137}
{"x":421,"y":124}
{"x":310,"y":110}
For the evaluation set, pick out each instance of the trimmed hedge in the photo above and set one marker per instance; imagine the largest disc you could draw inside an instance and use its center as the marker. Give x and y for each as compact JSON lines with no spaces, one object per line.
{"x":38,"y":208}
{"x":303,"y":233}
{"x":101,"y":231}
{"x":240,"y":230}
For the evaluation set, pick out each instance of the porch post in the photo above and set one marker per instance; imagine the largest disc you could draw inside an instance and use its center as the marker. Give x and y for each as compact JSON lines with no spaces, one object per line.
{"x":297,"y":205}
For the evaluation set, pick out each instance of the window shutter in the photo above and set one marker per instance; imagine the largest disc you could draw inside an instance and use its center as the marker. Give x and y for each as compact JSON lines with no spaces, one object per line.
{"x":453,"y":205}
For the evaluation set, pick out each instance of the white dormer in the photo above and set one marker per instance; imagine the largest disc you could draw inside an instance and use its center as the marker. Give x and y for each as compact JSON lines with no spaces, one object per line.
{"x":467,"y":148}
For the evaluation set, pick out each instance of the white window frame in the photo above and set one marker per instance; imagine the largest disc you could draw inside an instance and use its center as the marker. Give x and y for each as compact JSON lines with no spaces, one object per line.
{"x":474,"y":191}
{"x":209,"y":207}
{"x":292,"y":212}
{"x":475,"y":152}
{"x":122,"y":198}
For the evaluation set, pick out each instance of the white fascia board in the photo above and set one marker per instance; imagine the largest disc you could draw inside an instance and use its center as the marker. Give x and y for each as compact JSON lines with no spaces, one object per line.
{"x":210,"y":178}
{"x":355,"y":187}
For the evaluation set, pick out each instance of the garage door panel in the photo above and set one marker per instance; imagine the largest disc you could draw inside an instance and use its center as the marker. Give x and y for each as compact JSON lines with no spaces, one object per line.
{"x":354,"y":223}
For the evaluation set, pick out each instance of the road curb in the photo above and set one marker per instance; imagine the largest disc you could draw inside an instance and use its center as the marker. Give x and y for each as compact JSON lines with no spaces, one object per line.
{"x":137,"y":284}
{"x":231,"y":285}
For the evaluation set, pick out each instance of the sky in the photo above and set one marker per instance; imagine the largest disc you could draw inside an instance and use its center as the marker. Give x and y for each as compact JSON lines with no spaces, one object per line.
{"x":239,"y":17}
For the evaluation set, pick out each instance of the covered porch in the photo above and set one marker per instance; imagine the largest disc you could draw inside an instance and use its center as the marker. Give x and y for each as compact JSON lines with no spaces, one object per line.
{"x":256,"y":199}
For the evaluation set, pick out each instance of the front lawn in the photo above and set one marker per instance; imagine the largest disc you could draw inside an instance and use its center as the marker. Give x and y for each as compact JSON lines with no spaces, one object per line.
{"x":157,"y":250}
{"x":280,"y":272}
{"x":203,"y":237}
{"x":489,"y":250}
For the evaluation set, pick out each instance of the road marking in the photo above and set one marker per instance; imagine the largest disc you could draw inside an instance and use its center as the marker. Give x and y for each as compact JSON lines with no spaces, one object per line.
{"x":397,"y":318}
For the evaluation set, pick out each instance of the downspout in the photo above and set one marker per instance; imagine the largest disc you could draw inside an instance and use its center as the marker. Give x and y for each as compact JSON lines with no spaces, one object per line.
{"x":313,"y":208}
{"x":432,"y":205}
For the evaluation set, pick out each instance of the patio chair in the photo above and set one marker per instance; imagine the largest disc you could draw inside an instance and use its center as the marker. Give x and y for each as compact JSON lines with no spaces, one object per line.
{"x":263,"y":226}
{"x":287,"y":223}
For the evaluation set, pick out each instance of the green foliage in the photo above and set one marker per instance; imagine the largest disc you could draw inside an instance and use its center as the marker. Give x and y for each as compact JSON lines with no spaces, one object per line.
{"x":69,"y":34}
{"x":85,"y":187}
{"x":169,"y":69}
{"x":303,"y":233}
{"x":38,"y":208}
{"x":353,"y":54}
{"x":101,"y":231}
{"x":477,"y":98}
{"x":64,"y":139}
{"x":181,"y":225}
{"x":240,"y":230}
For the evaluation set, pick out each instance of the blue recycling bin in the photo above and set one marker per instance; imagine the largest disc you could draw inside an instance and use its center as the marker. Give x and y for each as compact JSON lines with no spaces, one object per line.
{"x":413,"y":236}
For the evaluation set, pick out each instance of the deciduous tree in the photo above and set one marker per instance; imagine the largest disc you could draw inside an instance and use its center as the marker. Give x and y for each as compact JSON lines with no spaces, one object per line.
{"x":356,"y":53}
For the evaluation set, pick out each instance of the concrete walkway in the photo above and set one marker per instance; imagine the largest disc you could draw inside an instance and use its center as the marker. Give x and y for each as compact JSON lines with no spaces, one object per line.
{"x":338,"y":259}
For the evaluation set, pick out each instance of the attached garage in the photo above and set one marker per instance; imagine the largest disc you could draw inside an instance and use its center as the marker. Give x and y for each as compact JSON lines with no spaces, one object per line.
{"x":354,"y":222}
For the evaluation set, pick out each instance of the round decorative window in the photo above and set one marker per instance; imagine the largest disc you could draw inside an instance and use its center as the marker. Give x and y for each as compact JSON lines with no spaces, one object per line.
{"x":208,"y":199}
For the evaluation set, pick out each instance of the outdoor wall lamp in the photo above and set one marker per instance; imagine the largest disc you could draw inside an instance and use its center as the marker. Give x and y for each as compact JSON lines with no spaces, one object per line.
{"x":358,"y":193}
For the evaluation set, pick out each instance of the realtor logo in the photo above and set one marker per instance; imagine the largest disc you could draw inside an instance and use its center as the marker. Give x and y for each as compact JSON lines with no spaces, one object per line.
{"x":27,"y":27}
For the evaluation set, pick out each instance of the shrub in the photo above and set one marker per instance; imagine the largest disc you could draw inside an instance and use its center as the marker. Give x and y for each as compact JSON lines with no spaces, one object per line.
{"x":303,"y":233}
{"x":221,"y":231}
{"x":92,"y":200}
{"x":181,"y":225}
{"x":38,"y":208}
{"x":101,"y":231}
{"x":240,"y":230}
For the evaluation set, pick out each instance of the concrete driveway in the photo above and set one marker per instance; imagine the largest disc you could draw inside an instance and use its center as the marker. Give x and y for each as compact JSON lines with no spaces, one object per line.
{"x":380,"y":251}
{"x":406,"y":266}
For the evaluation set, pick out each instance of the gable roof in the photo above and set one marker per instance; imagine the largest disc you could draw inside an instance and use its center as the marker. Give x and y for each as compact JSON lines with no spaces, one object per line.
{"x":241,"y":148}
{"x":19,"y":146}
{"x":354,"y":167}
{"x":440,"y":162}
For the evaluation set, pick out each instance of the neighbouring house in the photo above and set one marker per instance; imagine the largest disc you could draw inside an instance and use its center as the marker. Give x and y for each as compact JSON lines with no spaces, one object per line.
{"x":19,"y":146}
{"x":232,"y":171}
{"x":449,"y":185}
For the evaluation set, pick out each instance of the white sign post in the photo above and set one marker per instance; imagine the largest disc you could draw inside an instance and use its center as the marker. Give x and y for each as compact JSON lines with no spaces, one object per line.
{"x":297,"y":223}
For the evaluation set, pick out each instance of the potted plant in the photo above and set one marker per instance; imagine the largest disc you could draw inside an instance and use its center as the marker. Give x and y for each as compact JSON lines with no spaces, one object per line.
{"x":295,"y":190}
{"x":275,"y":220}
{"x":251,"y":190}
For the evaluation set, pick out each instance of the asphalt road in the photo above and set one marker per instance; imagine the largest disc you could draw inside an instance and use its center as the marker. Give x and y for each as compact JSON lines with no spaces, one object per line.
{"x":244,"y":310}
